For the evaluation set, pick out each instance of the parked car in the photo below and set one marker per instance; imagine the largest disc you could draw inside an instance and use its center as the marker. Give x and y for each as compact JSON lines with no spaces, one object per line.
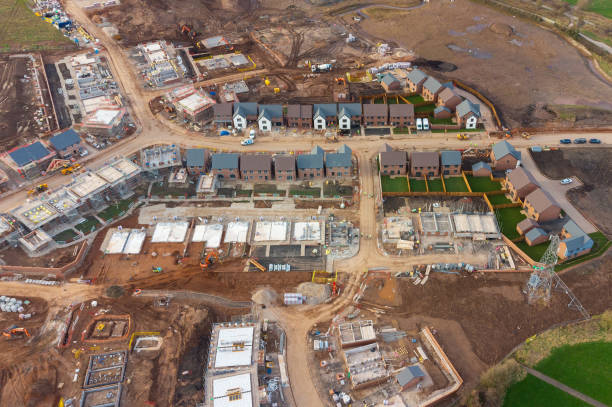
{"x":579,"y":140}
{"x":247,"y":142}
{"x":419,"y":124}
{"x":595,"y":141}
{"x":566,"y":181}
{"x":425,"y":124}
{"x":565,"y":141}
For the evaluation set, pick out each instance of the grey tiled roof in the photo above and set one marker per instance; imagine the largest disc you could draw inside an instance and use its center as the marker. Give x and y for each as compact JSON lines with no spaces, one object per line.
{"x":450,"y":157}
{"x":502,"y":148}
{"x":479,"y":165}
{"x":325,"y":110}
{"x":342,"y":158}
{"x":425,"y":159}
{"x":255,"y":162}
{"x":534,"y":233}
{"x":349,"y":109}
{"x":409,"y":373}
{"x":222,"y":161}
{"x":195,"y":157}
{"x":245,"y":109}
{"x":416,"y":76}
{"x":466,"y":107}
{"x":432,"y":85}
{"x":270,"y":111}
{"x":393,"y":158}
{"x":65,"y":139}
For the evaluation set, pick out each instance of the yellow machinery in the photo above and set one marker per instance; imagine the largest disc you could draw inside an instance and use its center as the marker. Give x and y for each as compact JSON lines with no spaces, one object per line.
{"x":69,"y":169}
{"x":39,"y":188}
{"x":323,"y":277}
{"x":257,"y":264}
{"x":463,"y":136}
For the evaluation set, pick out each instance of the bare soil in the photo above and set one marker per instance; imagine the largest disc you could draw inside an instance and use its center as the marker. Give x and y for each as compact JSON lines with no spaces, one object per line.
{"x":593,"y":198}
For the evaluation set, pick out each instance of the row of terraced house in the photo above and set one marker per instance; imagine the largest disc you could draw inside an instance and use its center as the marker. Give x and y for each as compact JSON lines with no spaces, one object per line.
{"x":421,"y":163}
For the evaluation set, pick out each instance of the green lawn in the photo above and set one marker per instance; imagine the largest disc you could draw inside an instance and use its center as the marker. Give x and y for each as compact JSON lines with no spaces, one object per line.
{"x":244,"y":192}
{"x":417,"y":185}
{"x":456,"y":131}
{"x":498,"y":199}
{"x":116,"y":210}
{"x":430,"y":107}
{"x":23,"y":30}
{"x":414,"y":99}
{"x":507,"y":218}
{"x":65,"y":236}
{"x":533,"y":392}
{"x":441,"y":121}
{"x":603,"y":7}
{"x":535,"y":252}
{"x":267,"y":189}
{"x":397,"y":184}
{"x":401,"y":130}
{"x":601,"y":244}
{"x":483,"y":184}
{"x":586,"y":367}
{"x":314,"y":192}
{"x":435,"y":184}
{"x":88,"y":226}
{"x":597,"y":37}
{"x":455,"y":184}
{"x":163,"y":189}
{"x":332,"y":189}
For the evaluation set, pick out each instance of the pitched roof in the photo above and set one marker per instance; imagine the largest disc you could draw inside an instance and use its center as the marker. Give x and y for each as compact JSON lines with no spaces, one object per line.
{"x":195,"y":157}
{"x":432,"y":85}
{"x":65,"y":139}
{"x":385,"y":147}
{"x":534,"y":233}
{"x":425,"y":159}
{"x":520,"y":178}
{"x":450,"y":157}
{"x":375,"y":109}
{"x":539,"y":200}
{"x":342,"y":158}
{"x":416,"y":76}
{"x":479,"y":165}
{"x":284,"y":162}
{"x":299,"y":111}
{"x":502,"y":148}
{"x":270,"y":111}
{"x":466,"y":107}
{"x":439,"y":109}
{"x":255,"y":162}
{"x":222,"y":161}
{"x":223,"y":109}
{"x":349,"y":109}
{"x":408,"y":373}
{"x":401,"y":110}
{"x":388,"y":79}
{"x":393,"y":158}
{"x":573,"y":229}
{"x":578,"y":238}
{"x":317,"y":150}
{"x":30,"y":153}
{"x":447,"y":94}
{"x":325,"y":110}
{"x":306,"y":161}
{"x":245,"y":109}
{"x":526,"y":224}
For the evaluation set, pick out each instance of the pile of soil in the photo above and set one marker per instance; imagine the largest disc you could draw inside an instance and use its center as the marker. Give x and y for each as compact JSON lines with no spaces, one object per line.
{"x":501,"y":28}
{"x":265,"y":296}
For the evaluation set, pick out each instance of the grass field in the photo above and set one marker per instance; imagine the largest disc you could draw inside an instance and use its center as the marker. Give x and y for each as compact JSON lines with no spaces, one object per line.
{"x":498,"y":199}
{"x":415,"y":99}
{"x":435,"y":184}
{"x":397,"y":184}
{"x":244,"y":192}
{"x":441,"y":121}
{"x":267,"y":189}
{"x":417,"y":185}
{"x":88,"y":226}
{"x":455,"y":184}
{"x":65,"y":236}
{"x":483,"y":184}
{"x":507,"y":219}
{"x":115,"y":210}
{"x":533,"y":392}
{"x":401,"y":130}
{"x":21,"y":29}
{"x":314,"y":192}
{"x":586,"y":367}
{"x":603,"y":7}
{"x":535,"y":252}
{"x":425,"y":108}
{"x":601,"y":244}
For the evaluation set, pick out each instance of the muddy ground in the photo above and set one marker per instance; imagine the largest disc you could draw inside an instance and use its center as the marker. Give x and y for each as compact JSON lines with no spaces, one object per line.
{"x":594,"y":168}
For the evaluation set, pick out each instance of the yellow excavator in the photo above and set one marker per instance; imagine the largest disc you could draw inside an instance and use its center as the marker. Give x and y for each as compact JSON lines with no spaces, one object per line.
{"x":39,"y":189}
{"x":69,"y":169}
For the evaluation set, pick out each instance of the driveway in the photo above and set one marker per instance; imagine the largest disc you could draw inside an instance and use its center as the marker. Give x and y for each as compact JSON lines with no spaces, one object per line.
{"x":557,"y":191}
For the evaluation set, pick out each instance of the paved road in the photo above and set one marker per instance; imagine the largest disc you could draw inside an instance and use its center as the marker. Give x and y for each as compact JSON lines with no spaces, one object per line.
{"x":563,"y":387}
{"x":558,"y":192}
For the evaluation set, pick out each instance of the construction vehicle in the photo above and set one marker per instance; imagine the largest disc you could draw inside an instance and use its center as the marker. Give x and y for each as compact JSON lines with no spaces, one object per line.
{"x":206,"y":261}
{"x":188,"y":32}
{"x":15,"y":332}
{"x":316,"y":68}
{"x":69,"y":169}
{"x":525,"y":135}
{"x":39,"y":189}
{"x":463,"y":136}
{"x":156,"y":269}
{"x":257,"y":264}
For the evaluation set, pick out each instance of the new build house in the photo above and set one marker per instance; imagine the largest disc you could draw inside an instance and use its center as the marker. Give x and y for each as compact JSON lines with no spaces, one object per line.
{"x":431,"y":89}
{"x":270,"y":116}
{"x":481,"y":169}
{"x":299,"y":116}
{"x":325,"y":115}
{"x":526,"y":225}
{"x":244,"y":113}
{"x":349,"y":115}
{"x":450,"y":162}
{"x":425,"y":163}
{"x":519,"y":183}
{"x":392,"y":162}
{"x":256,"y":167}
{"x":401,"y":115}
{"x":540,"y":207}
{"x":468,"y":114}
{"x":442,"y":112}
{"x":449,"y":99}
{"x":223,"y":114}
{"x":225,"y":165}
{"x":284,"y":168}
{"x":536,"y":236}
{"x":575,"y":242}
{"x":311,"y":166}
{"x":504,"y":156}
{"x":340,"y":163}
{"x":196,"y":160}
{"x":375,"y":114}
{"x":66,"y":143}
{"x":415,"y":80}
{"x":390,"y":83}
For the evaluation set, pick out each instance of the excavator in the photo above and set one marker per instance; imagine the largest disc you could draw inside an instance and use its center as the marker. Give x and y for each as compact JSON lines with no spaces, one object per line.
{"x":15,"y":332}
{"x":39,"y":189}
{"x":69,"y":169}
{"x":207,"y":261}
{"x":257,"y":264}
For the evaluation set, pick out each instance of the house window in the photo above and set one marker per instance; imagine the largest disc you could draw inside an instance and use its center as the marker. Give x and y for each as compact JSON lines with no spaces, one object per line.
{"x":418,"y":174}
{"x":232,"y":176}
{"x":289,"y":177}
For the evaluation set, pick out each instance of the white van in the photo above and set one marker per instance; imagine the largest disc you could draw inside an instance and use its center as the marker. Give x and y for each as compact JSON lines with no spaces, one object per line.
{"x":425,"y":124}
{"x":252,"y":134}
{"x":419,"y":123}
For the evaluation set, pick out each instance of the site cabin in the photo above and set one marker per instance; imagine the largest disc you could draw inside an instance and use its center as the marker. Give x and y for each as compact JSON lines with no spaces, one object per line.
{"x":449,"y":99}
{"x":196,"y":160}
{"x":431,"y":89}
{"x":349,"y":115}
{"x":425,"y":163}
{"x":376,"y":114}
{"x":244,"y":114}
{"x":503,"y":155}
{"x":575,"y":242}
{"x":284,"y":168}
{"x":340,"y":163}
{"x":468,"y":114}
{"x":223,"y":114}
{"x":325,"y":115}
{"x":519,"y":183}
{"x":390,"y":83}
{"x":442,"y":112}
{"x":270,"y":116}
{"x":225,"y":165}
{"x":481,"y":169}
{"x":392,"y":162}
{"x":311,"y":166}
{"x":299,"y":116}
{"x":256,"y":167}
{"x":540,"y":207}
{"x":450,"y":162}
{"x":66,"y":143}
{"x":415,"y":80}
{"x":401,"y":114}
{"x":535,"y":237}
